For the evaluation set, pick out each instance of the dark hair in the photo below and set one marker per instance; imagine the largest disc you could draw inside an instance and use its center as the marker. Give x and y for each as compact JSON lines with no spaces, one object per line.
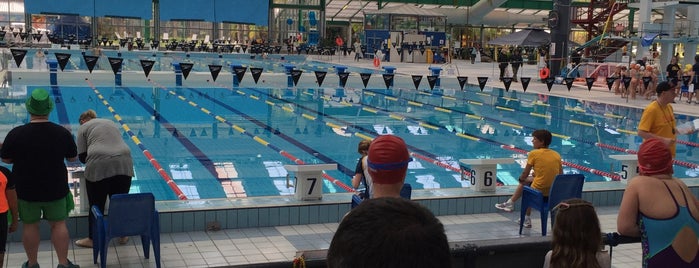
{"x":696,"y":58}
{"x":363,"y":146}
{"x":663,"y":86}
{"x":576,"y":235}
{"x":543,"y":135}
{"x":389,"y":232}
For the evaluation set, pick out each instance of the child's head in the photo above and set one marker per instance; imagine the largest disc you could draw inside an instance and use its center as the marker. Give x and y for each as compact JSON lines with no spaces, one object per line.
{"x":544,"y":136}
{"x":363,"y":147}
{"x":576,"y":231}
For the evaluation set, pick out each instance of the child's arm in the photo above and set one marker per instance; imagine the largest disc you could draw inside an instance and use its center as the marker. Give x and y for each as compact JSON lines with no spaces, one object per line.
{"x":11,"y":195}
{"x":525,"y":173}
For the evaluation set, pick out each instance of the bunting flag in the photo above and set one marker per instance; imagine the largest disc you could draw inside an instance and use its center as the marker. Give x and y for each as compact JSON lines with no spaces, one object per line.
{"x":422,"y":50}
{"x":186,"y":68}
{"x":481,"y":81}
{"x":646,"y":81}
{"x":569,"y":82}
{"x":244,"y":47}
{"x":365,"y":78}
{"x":343,"y":79}
{"x":549,"y":82}
{"x":610,"y":82}
{"x":295,"y":75}
{"x":410,"y":50}
{"x":627,"y":81}
{"x":116,"y":64}
{"x":62,"y":59}
{"x":388,"y":80}
{"x":320,"y":77}
{"x":215,"y":70}
{"x":91,"y":62}
{"x":416,"y":81}
{"x":685,"y":80}
{"x":256,"y":73}
{"x":432,"y":80}
{"x":507,"y":81}
{"x":147,"y":66}
{"x":462,"y":81}
{"x":525,"y":82}
{"x":18,"y":55}
{"x":589,"y":81}
{"x":239,"y":72}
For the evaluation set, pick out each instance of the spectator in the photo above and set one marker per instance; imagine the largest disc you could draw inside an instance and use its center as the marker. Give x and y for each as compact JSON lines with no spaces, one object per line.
{"x":576,"y":237}
{"x":42,"y":192}
{"x":357,"y":50}
{"x":658,"y":119}
{"x":8,"y":204}
{"x":389,"y":232}
{"x":694,"y":81}
{"x":674,"y":73}
{"x":661,"y":210}
{"x":108,"y":164}
{"x":360,"y":174}
{"x":502,"y":62}
{"x":545,"y":163}
{"x":474,"y":54}
{"x":387,"y":161}
{"x":516,"y":62}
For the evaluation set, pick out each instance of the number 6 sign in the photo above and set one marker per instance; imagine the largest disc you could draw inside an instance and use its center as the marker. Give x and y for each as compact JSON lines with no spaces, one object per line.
{"x":484,"y":172}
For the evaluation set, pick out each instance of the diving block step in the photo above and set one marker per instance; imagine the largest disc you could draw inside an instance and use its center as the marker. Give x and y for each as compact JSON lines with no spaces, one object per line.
{"x":483,"y":172}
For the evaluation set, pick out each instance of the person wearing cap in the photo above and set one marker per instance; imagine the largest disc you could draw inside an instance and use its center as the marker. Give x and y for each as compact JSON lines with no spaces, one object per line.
{"x":108,"y":164}
{"x":545,"y":163}
{"x":389,"y":232}
{"x":658,"y":119}
{"x":37,"y":151}
{"x":361,"y":175}
{"x":661,"y":210}
{"x":387,"y":161}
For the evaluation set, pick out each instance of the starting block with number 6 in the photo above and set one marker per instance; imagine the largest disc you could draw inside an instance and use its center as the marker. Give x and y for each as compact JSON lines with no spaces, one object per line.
{"x":308,"y":182}
{"x":629,"y":166}
{"x":483,"y":172}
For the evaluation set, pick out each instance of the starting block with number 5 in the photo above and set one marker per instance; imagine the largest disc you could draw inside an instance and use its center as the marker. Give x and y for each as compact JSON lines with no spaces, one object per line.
{"x":308,"y":182}
{"x":629,"y":166}
{"x":483,"y":172}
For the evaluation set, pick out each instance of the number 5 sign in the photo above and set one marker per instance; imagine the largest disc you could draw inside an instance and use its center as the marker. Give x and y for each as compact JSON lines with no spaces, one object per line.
{"x":308,"y":182}
{"x":484,"y":172}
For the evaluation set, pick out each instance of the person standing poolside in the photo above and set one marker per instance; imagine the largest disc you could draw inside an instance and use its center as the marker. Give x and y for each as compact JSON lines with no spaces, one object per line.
{"x":658,"y":119}
{"x":108,"y":164}
{"x":661,"y":210}
{"x":8,"y":206}
{"x":361,"y":176}
{"x":546,"y":164}
{"x":37,"y":151}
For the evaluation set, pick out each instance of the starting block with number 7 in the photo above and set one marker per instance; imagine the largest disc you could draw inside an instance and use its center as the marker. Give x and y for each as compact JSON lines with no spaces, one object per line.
{"x":483,"y":172}
{"x":308,"y":182}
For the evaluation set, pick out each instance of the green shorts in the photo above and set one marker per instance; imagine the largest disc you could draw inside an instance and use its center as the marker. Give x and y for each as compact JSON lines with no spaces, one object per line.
{"x":57,"y":210}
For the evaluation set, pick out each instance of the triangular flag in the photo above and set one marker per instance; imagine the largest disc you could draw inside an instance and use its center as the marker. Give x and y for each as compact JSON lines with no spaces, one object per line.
{"x":295,"y":75}
{"x":239,"y":72}
{"x":244,"y":47}
{"x":569,"y":82}
{"x":90,"y":61}
{"x":186,"y":68}
{"x":646,"y":81}
{"x":432,"y":80}
{"x":256,"y":73}
{"x":589,"y":81}
{"x":343,"y":78}
{"x":685,"y":80}
{"x":422,"y":50}
{"x":507,"y":81}
{"x":365,"y":78}
{"x":320,"y":77}
{"x":462,"y":81}
{"x":147,"y":66}
{"x":18,"y":55}
{"x":62,"y":59}
{"x":410,"y":50}
{"x":610,"y":82}
{"x":416,"y":81}
{"x":481,"y":81}
{"x":627,"y":81}
{"x":215,"y":69}
{"x":549,"y":82}
{"x":388,"y":80}
{"x":115,"y":63}
{"x":525,"y":82}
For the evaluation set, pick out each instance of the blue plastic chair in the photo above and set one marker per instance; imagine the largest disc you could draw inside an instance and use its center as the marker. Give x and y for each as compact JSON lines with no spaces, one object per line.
{"x":129,"y":214}
{"x":564,"y":187}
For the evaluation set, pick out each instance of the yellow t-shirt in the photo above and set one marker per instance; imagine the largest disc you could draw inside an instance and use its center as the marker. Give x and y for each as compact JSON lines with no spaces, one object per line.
{"x":546,"y":164}
{"x":659,"y":121}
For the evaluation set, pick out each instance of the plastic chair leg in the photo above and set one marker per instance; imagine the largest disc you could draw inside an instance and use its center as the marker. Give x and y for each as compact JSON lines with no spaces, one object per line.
{"x":544,"y":219}
{"x":145,"y":241}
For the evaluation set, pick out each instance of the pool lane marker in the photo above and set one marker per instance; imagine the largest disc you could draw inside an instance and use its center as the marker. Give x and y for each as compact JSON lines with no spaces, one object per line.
{"x":170,"y":182}
{"x":254,"y":137}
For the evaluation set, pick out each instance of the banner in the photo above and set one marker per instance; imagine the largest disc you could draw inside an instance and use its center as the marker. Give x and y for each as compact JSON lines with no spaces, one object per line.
{"x":462,"y":81}
{"x":256,"y":73}
{"x":569,"y":82}
{"x":388,"y":80}
{"x":610,"y":82}
{"x":186,"y":68}
{"x":525,"y":82}
{"x":239,"y":72}
{"x":215,"y":70}
{"x":549,"y":82}
{"x":116,"y":64}
{"x":147,"y":66}
{"x":507,"y":81}
{"x":343,"y":78}
{"x":295,"y":75}
{"x":481,"y":81}
{"x":62,"y":59}
{"x":432,"y":80}
{"x":91,"y":62}
{"x":416,"y":81}
{"x":589,"y":81}
{"x":320,"y":77}
{"x":18,"y":55}
{"x":627,"y":81}
{"x":365,"y":78}
{"x":685,"y":80}
{"x":646,"y":81}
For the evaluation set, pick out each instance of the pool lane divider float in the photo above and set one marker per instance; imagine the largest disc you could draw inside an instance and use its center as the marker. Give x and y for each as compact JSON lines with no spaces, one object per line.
{"x":258,"y":139}
{"x":170,"y":182}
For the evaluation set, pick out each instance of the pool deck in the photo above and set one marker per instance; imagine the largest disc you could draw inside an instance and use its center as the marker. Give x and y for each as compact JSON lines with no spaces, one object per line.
{"x":241,"y":246}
